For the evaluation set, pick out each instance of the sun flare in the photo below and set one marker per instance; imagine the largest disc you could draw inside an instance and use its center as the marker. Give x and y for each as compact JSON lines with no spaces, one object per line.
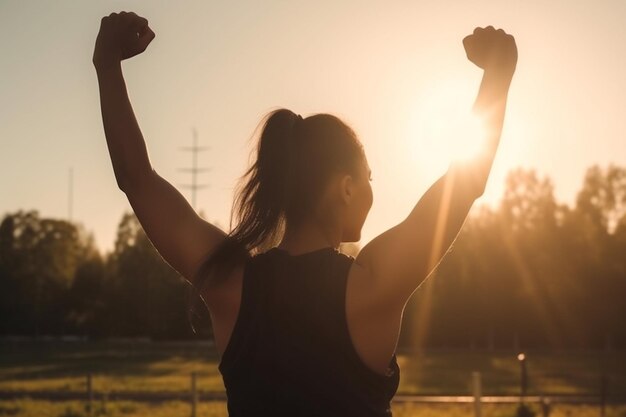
{"x":444,"y":127}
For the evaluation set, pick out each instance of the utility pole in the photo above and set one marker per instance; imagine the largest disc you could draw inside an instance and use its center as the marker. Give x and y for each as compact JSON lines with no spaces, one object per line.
{"x":194,"y":167}
{"x":70,"y":197}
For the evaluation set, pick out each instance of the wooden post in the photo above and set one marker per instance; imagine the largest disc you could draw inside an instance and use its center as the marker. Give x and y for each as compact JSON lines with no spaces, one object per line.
{"x":194,"y":394}
{"x":545,"y":406}
{"x":523,"y":376}
{"x":105,"y":400}
{"x":89,"y":395}
{"x":477,"y":391}
{"x":604,"y":384}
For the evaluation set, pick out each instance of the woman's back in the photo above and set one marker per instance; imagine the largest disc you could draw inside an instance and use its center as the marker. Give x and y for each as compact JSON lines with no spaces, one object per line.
{"x":290,"y":351}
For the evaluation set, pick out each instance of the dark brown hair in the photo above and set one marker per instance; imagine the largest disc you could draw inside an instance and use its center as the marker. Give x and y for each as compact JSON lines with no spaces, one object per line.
{"x":295,"y":158}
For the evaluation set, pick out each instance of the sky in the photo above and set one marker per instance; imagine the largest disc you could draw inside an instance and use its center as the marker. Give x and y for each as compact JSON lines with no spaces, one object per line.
{"x":395,"y":71}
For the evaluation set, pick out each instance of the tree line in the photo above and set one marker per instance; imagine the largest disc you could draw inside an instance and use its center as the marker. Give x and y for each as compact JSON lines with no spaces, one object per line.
{"x":528,"y":273}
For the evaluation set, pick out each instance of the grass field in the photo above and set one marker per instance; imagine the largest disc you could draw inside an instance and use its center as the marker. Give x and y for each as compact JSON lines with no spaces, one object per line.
{"x":30,"y":408}
{"x":166,"y":367}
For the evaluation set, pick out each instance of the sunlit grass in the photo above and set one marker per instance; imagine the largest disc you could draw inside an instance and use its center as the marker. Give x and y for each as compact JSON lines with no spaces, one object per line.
{"x":28,"y":408}
{"x":160,"y":367}
{"x":549,"y":373}
{"x":500,"y":410}
{"x":108,"y":383}
{"x":119,"y":367}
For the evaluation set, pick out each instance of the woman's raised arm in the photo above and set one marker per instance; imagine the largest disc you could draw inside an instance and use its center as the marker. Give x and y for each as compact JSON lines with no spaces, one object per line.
{"x":399,"y":260}
{"x":181,"y":237}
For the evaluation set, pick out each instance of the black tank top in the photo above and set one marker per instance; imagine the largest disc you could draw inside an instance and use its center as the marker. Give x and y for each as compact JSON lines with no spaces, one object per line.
{"x":290,"y":353}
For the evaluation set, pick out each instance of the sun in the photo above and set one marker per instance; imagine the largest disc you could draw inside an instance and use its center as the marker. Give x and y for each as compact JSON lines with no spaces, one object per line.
{"x":444,"y":128}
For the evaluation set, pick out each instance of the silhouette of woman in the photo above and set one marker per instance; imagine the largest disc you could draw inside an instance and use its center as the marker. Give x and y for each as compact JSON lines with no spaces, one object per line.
{"x":302,"y":329}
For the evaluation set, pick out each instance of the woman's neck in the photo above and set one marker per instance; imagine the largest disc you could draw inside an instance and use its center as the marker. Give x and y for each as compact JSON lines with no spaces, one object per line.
{"x":309,"y":237}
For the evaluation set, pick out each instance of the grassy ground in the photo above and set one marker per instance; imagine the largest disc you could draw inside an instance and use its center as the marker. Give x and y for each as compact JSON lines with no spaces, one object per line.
{"x":28,"y":408}
{"x":115,"y":366}
{"x":167,"y":367}
{"x":548,"y":372}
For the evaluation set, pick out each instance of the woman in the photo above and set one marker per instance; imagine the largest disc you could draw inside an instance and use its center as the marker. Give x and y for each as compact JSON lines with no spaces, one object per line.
{"x":301,"y":328}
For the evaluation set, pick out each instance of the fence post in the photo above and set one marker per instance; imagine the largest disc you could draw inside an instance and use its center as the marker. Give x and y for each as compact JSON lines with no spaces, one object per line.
{"x":89,"y":395}
{"x":523,"y":376}
{"x":545,"y":406}
{"x":194,"y":394}
{"x":604,"y":382}
{"x":105,"y":399}
{"x":476,"y":388}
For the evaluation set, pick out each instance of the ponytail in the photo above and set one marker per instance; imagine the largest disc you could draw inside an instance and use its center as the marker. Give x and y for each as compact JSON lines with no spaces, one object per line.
{"x":260,"y":204}
{"x":295,"y":158}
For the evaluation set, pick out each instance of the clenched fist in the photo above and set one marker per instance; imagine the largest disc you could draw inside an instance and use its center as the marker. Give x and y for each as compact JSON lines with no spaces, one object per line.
{"x":122,"y":36}
{"x":491,"y":49}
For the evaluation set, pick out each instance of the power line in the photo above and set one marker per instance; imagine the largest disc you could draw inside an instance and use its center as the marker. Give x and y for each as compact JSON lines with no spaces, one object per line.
{"x":194,"y":170}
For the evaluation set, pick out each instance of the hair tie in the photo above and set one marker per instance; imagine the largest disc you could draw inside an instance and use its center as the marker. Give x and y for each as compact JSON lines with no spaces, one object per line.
{"x":296,"y":122}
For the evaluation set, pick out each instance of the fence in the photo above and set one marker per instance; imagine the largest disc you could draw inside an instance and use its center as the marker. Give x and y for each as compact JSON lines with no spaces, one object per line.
{"x":193,"y":396}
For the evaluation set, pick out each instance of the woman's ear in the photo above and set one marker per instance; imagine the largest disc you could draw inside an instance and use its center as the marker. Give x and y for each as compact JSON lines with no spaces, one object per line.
{"x":347,"y":188}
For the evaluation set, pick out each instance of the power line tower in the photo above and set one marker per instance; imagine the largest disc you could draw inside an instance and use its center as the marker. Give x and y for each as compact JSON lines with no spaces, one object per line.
{"x":194,"y":170}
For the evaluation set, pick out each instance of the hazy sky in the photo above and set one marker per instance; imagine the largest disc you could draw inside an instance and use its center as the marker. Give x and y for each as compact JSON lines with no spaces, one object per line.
{"x":395,"y":71}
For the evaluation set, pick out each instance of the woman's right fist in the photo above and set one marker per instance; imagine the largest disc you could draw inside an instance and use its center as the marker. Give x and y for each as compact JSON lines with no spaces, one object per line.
{"x":491,"y":49}
{"x":122,"y":36}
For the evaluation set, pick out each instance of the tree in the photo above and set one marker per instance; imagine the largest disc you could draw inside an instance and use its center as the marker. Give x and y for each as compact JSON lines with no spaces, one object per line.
{"x":603,"y":197}
{"x":86,"y":302}
{"x":146,"y":297}
{"x":38,"y":260}
{"x":598,"y":223}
